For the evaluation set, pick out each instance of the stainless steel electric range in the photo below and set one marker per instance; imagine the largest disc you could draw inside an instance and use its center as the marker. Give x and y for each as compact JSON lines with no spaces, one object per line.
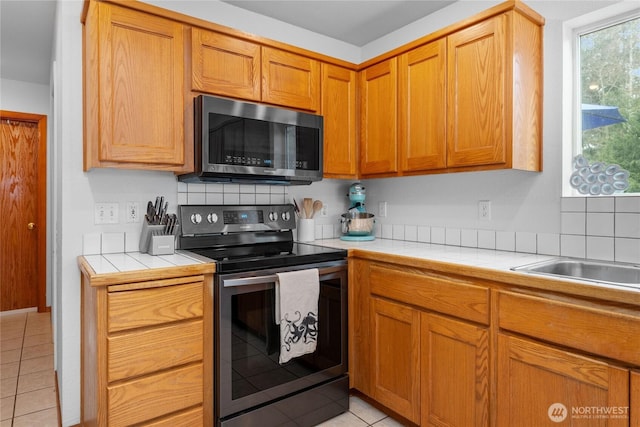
{"x":250,"y":245}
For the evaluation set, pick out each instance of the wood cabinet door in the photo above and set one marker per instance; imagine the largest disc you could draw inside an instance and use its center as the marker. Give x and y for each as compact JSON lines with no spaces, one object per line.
{"x":339,"y":112}
{"x":378,"y":138}
{"x":454,"y":373}
{"x":141,"y":67}
{"x":422,"y":108}
{"x":224,"y":65}
{"x":290,"y":80}
{"x":539,"y":385}
{"x":634,"y":406}
{"x":395,"y":357}
{"x":476,"y":116}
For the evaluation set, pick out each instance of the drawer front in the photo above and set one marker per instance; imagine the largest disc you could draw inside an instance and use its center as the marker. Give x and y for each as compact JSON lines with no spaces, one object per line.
{"x":192,"y":418}
{"x":594,"y":330}
{"x":150,"y":350}
{"x":150,"y":397}
{"x":449,"y":296}
{"x":148,"y":307}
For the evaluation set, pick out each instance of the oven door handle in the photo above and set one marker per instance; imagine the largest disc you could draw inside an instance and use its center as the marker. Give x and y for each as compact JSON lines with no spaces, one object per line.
{"x":229,"y":283}
{"x":256,"y":280}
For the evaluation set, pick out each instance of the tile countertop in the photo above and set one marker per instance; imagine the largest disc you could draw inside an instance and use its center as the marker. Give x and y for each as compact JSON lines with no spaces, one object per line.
{"x":486,"y":264}
{"x":107,"y":269}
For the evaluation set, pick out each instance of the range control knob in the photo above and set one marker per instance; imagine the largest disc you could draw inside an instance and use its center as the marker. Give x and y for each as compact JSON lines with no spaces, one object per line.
{"x":196,"y":218}
{"x":212,"y":218}
{"x":273,"y":216}
{"x":286,"y":216}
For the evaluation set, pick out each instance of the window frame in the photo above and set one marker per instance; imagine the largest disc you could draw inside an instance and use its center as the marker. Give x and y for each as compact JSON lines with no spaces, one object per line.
{"x":572,"y":96}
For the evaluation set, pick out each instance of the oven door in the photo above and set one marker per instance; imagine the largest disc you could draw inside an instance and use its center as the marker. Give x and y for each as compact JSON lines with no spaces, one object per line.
{"x":248,"y":373}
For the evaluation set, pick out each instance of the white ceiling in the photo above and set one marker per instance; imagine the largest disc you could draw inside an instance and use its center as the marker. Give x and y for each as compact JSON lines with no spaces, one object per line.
{"x":26,"y":26}
{"x":356,"y":22}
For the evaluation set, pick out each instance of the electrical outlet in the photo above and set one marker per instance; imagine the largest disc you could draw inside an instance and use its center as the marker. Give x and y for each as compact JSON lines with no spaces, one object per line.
{"x":484,"y":210}
{"x":133,"y":209}
{"x":106,"y":213}
{"x":325,"y":210}
{"x":382,"y":209}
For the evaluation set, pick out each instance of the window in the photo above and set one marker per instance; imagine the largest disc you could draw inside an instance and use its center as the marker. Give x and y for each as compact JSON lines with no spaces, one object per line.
{"x":607,"y":107}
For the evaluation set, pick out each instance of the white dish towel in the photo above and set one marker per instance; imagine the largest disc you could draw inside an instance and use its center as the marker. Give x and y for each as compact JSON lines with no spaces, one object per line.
{"x":296,"y":312}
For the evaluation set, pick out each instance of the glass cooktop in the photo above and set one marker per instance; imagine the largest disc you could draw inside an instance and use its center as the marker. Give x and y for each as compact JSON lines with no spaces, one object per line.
{"x":273,"y":255}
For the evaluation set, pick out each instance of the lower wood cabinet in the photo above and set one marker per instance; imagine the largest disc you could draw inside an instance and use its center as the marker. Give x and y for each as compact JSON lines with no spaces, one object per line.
{"x":454,"y":372}
{"x":635,"y":399}
{"x":146,"y":358}
{"x":540,"y":385}
{"x":395,"y":357}
{"x":428,"y":367}
{"x":445,"y":349}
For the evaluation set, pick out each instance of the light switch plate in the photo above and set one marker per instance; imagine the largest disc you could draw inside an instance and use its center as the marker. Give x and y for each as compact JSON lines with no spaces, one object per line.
{"x":106,"y":213}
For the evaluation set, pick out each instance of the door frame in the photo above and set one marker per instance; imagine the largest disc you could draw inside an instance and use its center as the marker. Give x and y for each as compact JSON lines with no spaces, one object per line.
{"x":41,"y":200}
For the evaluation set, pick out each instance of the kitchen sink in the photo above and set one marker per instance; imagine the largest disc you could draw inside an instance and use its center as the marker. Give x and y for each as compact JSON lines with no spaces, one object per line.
{"x":596,"y":271}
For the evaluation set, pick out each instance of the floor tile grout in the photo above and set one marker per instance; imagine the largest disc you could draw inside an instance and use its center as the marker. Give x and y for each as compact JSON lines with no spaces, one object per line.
{"x":38,"y":411}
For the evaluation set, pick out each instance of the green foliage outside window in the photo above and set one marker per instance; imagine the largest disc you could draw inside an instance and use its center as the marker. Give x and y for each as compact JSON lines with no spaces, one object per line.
{"x":610,"y":75}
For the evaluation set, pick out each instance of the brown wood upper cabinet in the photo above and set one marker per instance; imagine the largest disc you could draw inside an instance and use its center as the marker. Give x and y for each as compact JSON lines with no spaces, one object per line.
{"x":133,"y":92}
{"x":340,"y":123}
{"x":290,"y":80}
{"x":229,"y":66}
{"x":470,"y":100}
{"x":378,"y":119}
{"x":225,"y":65}
{"x":422,"y":108}
{"x":494,"y":87}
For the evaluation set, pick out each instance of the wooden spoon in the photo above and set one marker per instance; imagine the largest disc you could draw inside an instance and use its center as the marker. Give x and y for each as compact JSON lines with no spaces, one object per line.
{"x":307,"y":204}
{"x":317,"y":205}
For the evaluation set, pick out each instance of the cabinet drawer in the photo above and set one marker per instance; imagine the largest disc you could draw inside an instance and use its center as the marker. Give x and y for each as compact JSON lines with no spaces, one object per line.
{"x":148,"y":307}
{"x":149,"y":350}
{"x":592,"y":329}
{"x":193,"y":417}
{"x":450,"y":296}
{"x":150,"y":397}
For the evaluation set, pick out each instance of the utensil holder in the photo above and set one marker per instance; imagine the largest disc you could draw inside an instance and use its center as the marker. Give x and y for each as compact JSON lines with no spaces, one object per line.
{"x":306,"y":230}
{"x":154,"y":241}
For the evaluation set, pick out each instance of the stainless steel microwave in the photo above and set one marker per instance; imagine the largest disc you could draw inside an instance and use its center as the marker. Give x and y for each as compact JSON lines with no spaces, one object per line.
{"x":239,"y":141}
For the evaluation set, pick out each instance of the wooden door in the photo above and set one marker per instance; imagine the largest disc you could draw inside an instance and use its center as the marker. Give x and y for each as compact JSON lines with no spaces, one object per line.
{"x":455,"y":373}
{"x":224,"y":65}
{"x":339,"y":112}
{"x":422,"y":108}
{"x":476,"y":114}
{"x":139,"y":122}
{"x":23,"y":200}
{"x":378,"y":138}
{"x":539,"y":385}
{"x":290,"y":80}
{"x":395,"y":357}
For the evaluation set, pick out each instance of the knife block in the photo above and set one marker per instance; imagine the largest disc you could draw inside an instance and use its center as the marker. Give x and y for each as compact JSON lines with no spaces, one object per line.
{"x":154,"y":241}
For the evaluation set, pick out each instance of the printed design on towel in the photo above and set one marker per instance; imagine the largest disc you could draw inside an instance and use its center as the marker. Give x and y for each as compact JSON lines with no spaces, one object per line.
{"x":301,"y":328}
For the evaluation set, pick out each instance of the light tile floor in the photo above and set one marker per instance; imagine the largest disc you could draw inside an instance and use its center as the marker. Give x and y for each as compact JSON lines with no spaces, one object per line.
{"x":27,"y":380}
{"x":361,"y":414}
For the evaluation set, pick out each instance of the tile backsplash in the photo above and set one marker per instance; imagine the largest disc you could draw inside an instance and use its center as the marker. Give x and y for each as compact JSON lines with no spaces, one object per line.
{"x":603,"y":228}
